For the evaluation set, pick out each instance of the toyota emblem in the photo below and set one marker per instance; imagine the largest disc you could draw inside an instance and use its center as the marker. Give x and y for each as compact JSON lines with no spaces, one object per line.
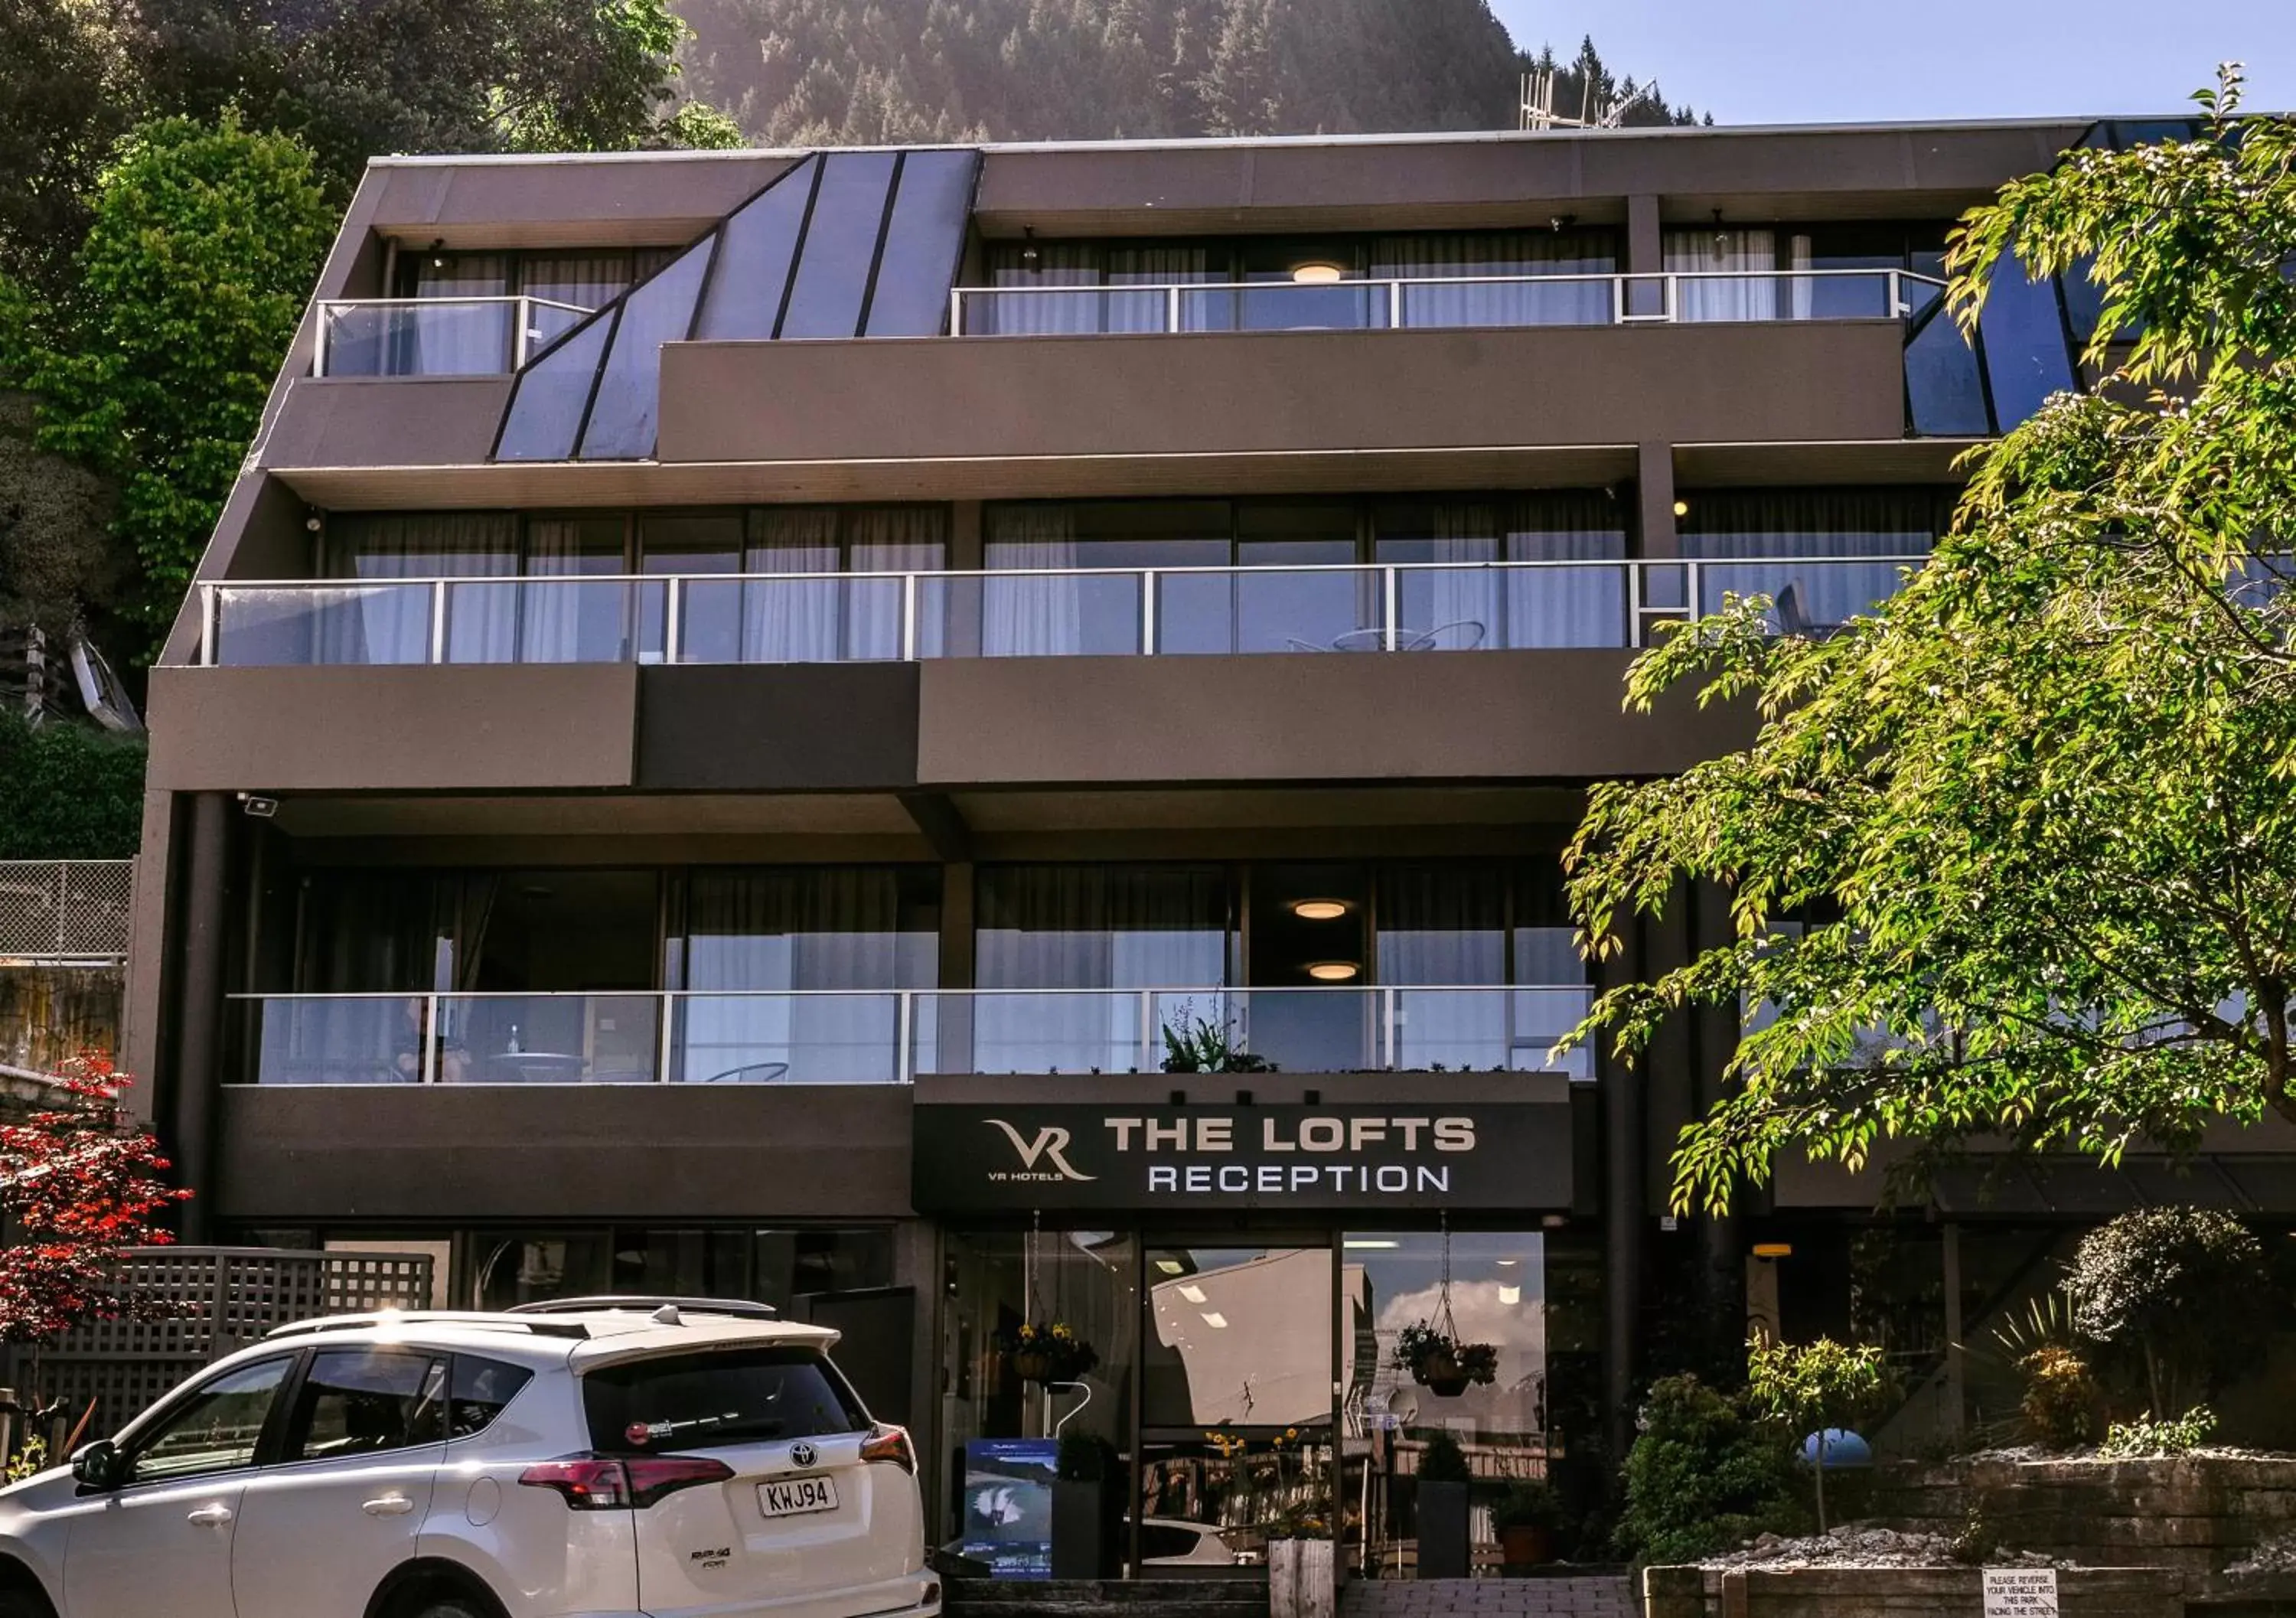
{"x":801,"y":1454}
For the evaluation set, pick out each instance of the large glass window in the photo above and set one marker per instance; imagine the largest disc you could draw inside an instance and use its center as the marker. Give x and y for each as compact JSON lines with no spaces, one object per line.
{"x":216,"y":1428}
{"x":1813,"y":543}
{"x":1576,"y":596}
{"x":363,"y":1401}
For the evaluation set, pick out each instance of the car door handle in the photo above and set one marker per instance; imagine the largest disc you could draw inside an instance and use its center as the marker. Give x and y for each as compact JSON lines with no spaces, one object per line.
{"x":389,"y":1506}
{"x":210,"y":1516}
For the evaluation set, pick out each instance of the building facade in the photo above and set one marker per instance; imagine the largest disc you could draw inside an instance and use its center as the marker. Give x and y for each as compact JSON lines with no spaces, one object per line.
{"x":962,"y":738}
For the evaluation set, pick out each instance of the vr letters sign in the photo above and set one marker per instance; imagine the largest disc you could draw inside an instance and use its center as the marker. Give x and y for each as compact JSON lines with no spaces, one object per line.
{"x":982,"y":1156}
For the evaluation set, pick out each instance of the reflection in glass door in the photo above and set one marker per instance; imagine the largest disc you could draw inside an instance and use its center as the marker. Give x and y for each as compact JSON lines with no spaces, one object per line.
{"x":1496,"y":1296}
{"x":1237,"y":1367}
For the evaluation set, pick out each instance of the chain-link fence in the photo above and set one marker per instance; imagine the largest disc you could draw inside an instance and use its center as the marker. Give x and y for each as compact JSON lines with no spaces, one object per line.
{"x":65,"y":911}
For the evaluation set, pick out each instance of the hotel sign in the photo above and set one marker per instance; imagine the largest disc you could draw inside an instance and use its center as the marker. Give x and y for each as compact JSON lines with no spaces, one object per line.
{"x":986,"y":1156}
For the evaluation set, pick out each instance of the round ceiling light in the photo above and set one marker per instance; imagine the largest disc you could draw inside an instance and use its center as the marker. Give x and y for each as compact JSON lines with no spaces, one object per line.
{"x":1319,"y":909}
{"x":1333,"y":972}
{"x":1318,"y":272}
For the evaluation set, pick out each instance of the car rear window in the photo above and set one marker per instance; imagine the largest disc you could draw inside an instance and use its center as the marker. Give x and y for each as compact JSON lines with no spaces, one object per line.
{"x":481,"y":1388}
{"x":738,"y":1396}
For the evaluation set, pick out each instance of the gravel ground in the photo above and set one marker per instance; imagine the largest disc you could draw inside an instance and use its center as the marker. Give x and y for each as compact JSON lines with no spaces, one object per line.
{"x":1851,"y":1545}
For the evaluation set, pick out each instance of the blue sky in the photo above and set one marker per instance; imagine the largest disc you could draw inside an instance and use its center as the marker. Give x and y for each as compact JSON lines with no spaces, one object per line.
{"x":1758,"y":62}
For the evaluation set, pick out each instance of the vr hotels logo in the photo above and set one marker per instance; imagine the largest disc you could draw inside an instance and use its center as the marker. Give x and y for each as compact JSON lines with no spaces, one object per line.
{"x":1044,"y":1158}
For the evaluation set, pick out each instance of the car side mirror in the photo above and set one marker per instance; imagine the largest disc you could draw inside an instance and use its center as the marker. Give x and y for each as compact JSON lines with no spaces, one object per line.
{"x":99,"y":1464}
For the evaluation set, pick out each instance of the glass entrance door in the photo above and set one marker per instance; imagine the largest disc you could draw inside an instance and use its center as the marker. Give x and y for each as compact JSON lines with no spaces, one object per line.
{"x":1239,"y":1356}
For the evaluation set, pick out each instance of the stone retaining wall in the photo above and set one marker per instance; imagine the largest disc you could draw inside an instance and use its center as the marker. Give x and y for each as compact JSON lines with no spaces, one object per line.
{"x":1608,"y":1596}
{"x":2196,"y":1515}
{"x":1895,"y":1593}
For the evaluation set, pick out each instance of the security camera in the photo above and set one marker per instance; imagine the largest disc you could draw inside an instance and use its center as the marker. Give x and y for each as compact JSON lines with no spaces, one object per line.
{"x":259,"y":806}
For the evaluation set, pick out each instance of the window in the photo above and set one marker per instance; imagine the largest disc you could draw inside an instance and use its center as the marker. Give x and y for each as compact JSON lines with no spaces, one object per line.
{"x":746,"y":1396}
{"x":1808,"y":549}
{"x":214,"y":1429}
{"x":480,"y":1390}
{"x":364,"y":1401}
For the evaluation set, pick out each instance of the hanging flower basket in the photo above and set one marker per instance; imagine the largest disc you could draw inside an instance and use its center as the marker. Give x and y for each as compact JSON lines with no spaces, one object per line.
{"x":1439,"y":1362}
{"x":1046,"y":1351}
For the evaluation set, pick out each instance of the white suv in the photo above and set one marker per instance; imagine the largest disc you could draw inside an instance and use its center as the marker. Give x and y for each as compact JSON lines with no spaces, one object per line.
{"x":609,"y":1458}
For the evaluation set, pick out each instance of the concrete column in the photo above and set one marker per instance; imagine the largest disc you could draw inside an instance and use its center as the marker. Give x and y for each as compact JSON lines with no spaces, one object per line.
{"x":1624,"y":1195}
{"x":965,"y":535}
{"x":150,"y":981}
{"x":197,"y":1068}
{"x":1645,"y":236}
{"x":1654,"y":488}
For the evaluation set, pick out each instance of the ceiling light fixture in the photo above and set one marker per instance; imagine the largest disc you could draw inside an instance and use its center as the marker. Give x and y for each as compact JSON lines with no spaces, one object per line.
{"x":1333,"y":972}
{"x":1216,"y":1320}
{"x":1032,"y":255}
{"x":1318,"y":272}
{"x":1362,"y":1243}
{"x":1319,"y":909}
{"x":1172,"y":1266}
{"x":1511,"y":1295}
{"x":1682,"y":509}
{"x":1774,"y":1250}
{"x":1193,"y":1294}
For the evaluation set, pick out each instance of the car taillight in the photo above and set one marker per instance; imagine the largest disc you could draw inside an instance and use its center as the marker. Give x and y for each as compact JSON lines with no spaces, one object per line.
{"x":886,"y":1443}
{"x":590,"y":1484}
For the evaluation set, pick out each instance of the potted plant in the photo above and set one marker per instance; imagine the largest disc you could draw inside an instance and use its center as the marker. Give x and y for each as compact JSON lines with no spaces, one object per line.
{"x":1302,"y":1559}
{"x":1441,"y":1500}
{"x":1046,"y":1351}
{"x":1199,"y":1047}
{"x":1087,"y":1508}
{"x":1440,"y":1363}
{"x":1526,"y":1517}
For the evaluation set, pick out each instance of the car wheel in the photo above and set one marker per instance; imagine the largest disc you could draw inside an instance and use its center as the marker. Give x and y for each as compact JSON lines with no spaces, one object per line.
{"x":24,"y":1603}
{"x":437,"y":1607}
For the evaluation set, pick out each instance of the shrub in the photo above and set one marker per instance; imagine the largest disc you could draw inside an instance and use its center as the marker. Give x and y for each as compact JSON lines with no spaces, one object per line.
{"x":2134,"y":1439}
{"x":2171,"y":1295}
{"x":1528,"y":1503}
{"x":1443,"y":1461}
{"x":1806,"y":1387}
{"x":67,"y":792}
{"x":1702,"y":1475}
{"x":2062,"y":1399}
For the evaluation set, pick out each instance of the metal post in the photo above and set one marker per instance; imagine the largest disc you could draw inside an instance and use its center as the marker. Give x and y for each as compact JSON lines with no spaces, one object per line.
{"x":1148,"y":612}
{"x":957,"y":311}
{"x":207,"y":625}
{"x":438,"y":621}
{"x":1388,"y":1015}
{"x":524,"y":312}
{"x":319,"y":343}
{"x":665,"y":1063}
{"x":430,"y":1039}
{"x":1394,"y":306}
{"x":1618,"y":300}
{"x":905,"y":1027}
{"x":908,"y":618}
{"x":1147,"y":1035}
{"x":673,"y":613}
{"x":1388,"y":590}
{"x":1635,"y":603}
{"x":1673,"y":289}
{"x":1693,"y":594}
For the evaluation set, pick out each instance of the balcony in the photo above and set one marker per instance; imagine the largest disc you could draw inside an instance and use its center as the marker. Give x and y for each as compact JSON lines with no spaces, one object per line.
{"x":890,"y":1037}
{"x":912,"y":617}
{"x":1441,"y":303}
{"x":438,"y":336}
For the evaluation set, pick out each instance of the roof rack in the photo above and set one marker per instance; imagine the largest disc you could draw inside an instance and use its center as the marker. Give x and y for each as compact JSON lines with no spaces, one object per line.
{"x":490,"y":1320}
{"x":738,"y":1309}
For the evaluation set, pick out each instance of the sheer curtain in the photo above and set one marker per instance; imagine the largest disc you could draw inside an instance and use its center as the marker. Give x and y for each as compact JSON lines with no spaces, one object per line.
{"x":587,"y":281}
{"x":1567,"y":606}
{"x":1743,"y":264}
{"x":1468,"y":605}
{"x":466,"y":340}
{"x":1090,"y":928}
{"x":754,"y":937}
{"x":1163,"y":266}
{"x":1038,"y":617}
{"x":1075,"y":263}
{"x":572,"y":623}
{"x":1829,"y":526}
{"x":889,"y":540}
{"x":793,"y":622}
{"x":1541,"y":254}
{"x":1443,"y":925}
{"x":393,"y":625}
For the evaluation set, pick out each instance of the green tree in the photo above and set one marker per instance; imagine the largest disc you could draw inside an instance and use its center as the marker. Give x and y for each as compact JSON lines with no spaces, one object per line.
{"x":1801,"y":1388}
{"x":205,"y":245}
{"x":67,"y":792}
{"x":66,"y":95}
{"x":2176,"y":1296}
{"x":2016,"y":855}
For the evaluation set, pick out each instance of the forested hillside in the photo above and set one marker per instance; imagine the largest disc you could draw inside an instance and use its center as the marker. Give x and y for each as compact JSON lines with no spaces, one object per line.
{"x":808,"y":72}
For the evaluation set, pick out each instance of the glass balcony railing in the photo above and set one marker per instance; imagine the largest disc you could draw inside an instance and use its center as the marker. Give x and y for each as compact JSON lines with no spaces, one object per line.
{"x":438,"y":336}
{"x":889,"y":1037}
{"x":1437,"y":302}
{"x":816,"y":618}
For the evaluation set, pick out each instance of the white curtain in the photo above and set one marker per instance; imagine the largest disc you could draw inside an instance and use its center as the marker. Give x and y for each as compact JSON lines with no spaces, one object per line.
{"x":794,"y":621}
{"x":1464,"y":604}
{"x":587,"y":281}
{"x":1032,"y":617}
{"x":393,"y":625}
{"x":1018,"y":268}
{"x":889,"y":539}
{"x":1729,"y":274}
{"x":1830,"y":528}
{"x":572,"y":623}
{"x":1512,"y":253}
{"x":460,"y":340}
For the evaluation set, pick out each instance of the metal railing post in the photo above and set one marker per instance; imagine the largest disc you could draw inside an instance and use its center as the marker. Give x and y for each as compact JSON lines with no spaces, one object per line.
{"x":1618,"y":300}
{"x":430,"y":1072}
{"x":1387,"y":591}
{"x":1635,"y":603}
{"x":1172,"y":310}
{"x":1693,"y":594}
{"x":673,"y":618}
{"x":1148,"y":612}
{"x":523,"y":311}
{"x":1149,"y":1064}
{"x":438,"y":621}
{"x":663,"y":1063}
{"x":908,"y":618}
{"x":207,"y":625}
{"x":1394,"y":306}
{"x":904,"y":1029}
{"x":1394,"y":1056}
{"x":1672,"y":287}
{"x":957,"y":311}
{"x":319,"y":343}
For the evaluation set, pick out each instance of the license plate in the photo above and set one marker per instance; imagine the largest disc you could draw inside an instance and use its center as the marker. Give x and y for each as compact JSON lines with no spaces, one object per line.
{"x":795,"y":1497}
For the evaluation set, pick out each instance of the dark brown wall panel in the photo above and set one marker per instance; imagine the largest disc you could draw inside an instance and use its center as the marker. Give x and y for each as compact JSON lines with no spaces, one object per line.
{"x":387,"y":420}
{"x":394,"y":729}
{"x":1479,"y":716}
{"x":606,"y":1152}
{"x":1234,"y":392}
{"x":791,"y":728}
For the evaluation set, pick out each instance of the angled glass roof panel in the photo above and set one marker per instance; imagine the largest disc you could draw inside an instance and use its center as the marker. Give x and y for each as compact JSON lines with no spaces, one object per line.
{"x":2026,"y":355}
{"x":841,"y":245}
{"x":622,"y":426}
{"x":923,"y":244}
{"x":546,"y":409}
{"x":752,"y":272}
